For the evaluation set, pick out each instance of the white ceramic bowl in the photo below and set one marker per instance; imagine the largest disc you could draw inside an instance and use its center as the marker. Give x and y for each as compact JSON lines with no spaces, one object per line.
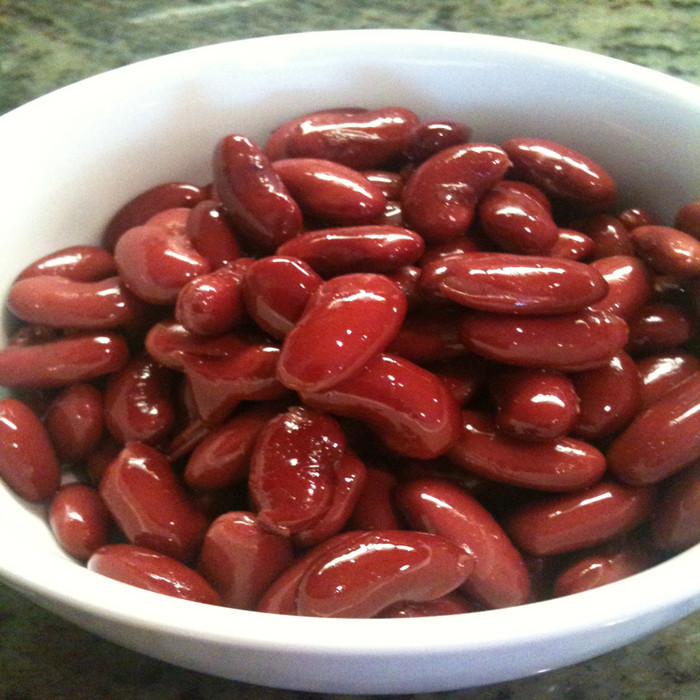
{"x":73,"y":157}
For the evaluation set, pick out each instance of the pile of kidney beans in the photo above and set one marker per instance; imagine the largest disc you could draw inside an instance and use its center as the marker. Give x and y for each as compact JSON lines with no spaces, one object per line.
{"x":373,"y":369}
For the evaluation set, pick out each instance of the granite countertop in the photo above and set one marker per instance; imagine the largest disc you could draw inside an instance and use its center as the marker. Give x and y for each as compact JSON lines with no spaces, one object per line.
{"x":45,"y":44}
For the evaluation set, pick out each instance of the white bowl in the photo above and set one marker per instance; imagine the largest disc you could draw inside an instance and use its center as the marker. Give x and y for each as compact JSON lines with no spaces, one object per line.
{"x":73,"y":157}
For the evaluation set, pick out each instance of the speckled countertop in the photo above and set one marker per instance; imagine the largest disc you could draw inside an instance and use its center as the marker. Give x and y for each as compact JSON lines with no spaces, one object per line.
{"x":45,"y":44}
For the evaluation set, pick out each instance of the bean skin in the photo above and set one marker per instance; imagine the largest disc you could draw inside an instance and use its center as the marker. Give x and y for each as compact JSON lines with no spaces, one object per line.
{"x":63,"y":361}
{"x":629,"y":285}
{"x":211,"y":235}
{"x":583,"y":519}
{"x":28,"y":463}
{"x":688,"y":219}
{"x":660,"y":373}
{"x":633,"y":217}
{"x":80,"y":263}
{"x":572,"y":245}
{"x":667,"y":250}
{"x":499,"y":578}
{"x":610,"y":236}
{"x":659,"y":326}
{"x":450,"y":604}
{"x":662,"y":439}
{"x":375,"y":508}
{"x":152,"y":571}
{"x":432,"y":136}
{"x":564,"y":464}
{"x":676,"y":520}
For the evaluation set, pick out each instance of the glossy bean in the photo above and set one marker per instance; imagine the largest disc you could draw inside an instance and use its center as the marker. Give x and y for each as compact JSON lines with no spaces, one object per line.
{"x":667,"y":250}
{"x":429,"y":335}
{"x":376,"y":508}
{"x":149,"y":504}
{"x":450,"y":604}
{"x":662,"y":372}
{"x":687,"y":219}
{"x":431,"y":136}
{"x":659,"y":326}
{"x":583,"y":519}
{"x":211,"y":235}
{"x":609,"y":235}
{"x":80,"y":263}
{"x":390,"y":183}
{"x":175,"y":220}
{"x":633,"y":217}
{"x":79,"y":520}
{"x":152,"y":571}
{"x":629,"y":285}
{"x":572,"y":245}
{"x":676,"y":521}
{"x":28,"y":463}
{"x":562,"y":464}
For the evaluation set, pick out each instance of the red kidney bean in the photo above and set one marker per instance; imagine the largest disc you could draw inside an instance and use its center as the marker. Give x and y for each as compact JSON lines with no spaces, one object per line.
{"x":667,"y":250}
{"x":211,"y":235}
{"x":28,"y":463}
{"x":567,"y":342}
{"x":276,"y":290}
{"x":293,"y":469}
{"x":361,"y":140}
{"x":409,"y":408}
{"x":534,"y":405}
{"x":516,"y":221}
{"x":222,"y":458}
{"x":143,"y":206}
{"x":633,"y":217}
{"x":450,"y":604}
{"x":658,"y":326}
{"x":258,"y":204}
{"x":63,"y":361}
{"x":463,"y":377}
{"x":676,"y":520}
{"x":211,"y":304}
{"x":500,"y":577}
{"x":175,"y":220}
{"x":32,"y":334}
{"x":610,"y":236}
{"x":388,"y":182}
{"x":330,"y":191}
{"x":440,"y":197}
{"x":688,"y":219}
{"x":662,"y":372}
{"x":149,"y":504}
{"x":598,"y":570}
{"x":80,"y":263}
{"x":79,"y":520}
{"x":583,"y":519}
{"x":407,"y":279}
{"x":168,"y":342}
{"x":464,"y":244}
{"x":572,"y":245}
{"x":137,"y":402}
{"x":347,"y":320}
{"x":518,"y":284}
{"x":63,"y":303}
{"x":380,"y":569}
{"x":96,"y":463}
{"x":74,"y":421}
{"x":561,"y":172}
{"x":610,"y":396}
{"x":662,"y":439}
{"x":431,"y":136}
{"x":377,"y":248}
{"x":562,"y":464}
{"x":240,"y":559}
{"x":152,"y":571}
{"x":375,"y":508}
{"x":629,"y":285}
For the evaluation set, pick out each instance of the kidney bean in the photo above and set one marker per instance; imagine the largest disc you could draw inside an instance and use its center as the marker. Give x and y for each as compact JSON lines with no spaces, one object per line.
{"x":561,"y":172}
{"x":516,"y":221}
{"x":149,"y":504}
{"x":59,"y":302}
{"x":211,"y":235}
{"x":450,"y":604}
{"x":375,"y":508}
{"x":610,"y":236}
{"x":463,"y":376}
{"x":500,"y":577}
{"x":662,"y":439}
{"x":240,"y":559}
{"x":658,"y":326}
{"x":676,"y":521}
{"x":667,"y":250}
{"x":562,"y":464}
{"x":137,"y":402}
{"x":28,"y":463}
{"x":390,"y":183}
{"x":347,"y":320}
{"x":598,"y":570}
{"x":633,"y":217}
{"x":222,"y":458}
{"x":518,"y":284}
{"x":410,"y":409}
{"x":80,"y":263}
{"x":434,"y":135}
{"x":570,"y":522}
{"x":168,"y":341}
{"x":211,"y":304}
{"x":407,"y":279}
{"x":662,"y":372}
{"x":143,"y":206}
{"x":688,"y":219}
{"x":572,"y":245}
{"x":96,"y":463}
{"x":175,"y":220}
{"x":629,"y":285}
{"x":79,"y":520}
{"x":440,"y":197}
{"x":377,"y":248}
{"x":361,"y":140}
{"x":330,"y":191}
{"x":533,"y":404}
{"x":258,"y":204}
{"x":63,"y":361}
{"x":152,"y":571}
{"x":567,"y":342}
{"x":74,"y":422}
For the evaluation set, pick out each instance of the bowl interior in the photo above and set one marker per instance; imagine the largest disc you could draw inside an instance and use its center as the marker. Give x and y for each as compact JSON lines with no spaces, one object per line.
{"x":73,"y":157}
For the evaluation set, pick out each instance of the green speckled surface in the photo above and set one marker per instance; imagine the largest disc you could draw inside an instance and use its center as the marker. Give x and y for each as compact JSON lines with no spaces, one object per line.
{"x":45,"y":44}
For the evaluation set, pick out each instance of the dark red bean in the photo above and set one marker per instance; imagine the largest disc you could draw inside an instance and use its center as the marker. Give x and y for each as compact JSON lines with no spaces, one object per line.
{"x":610,"y":236}
{"x":388,"y":182}
{"x":80,"y":263}
{"x":659,"y":326}
{"x":431,"y":136}
{"x":572,"y":245}
{"x":375,"y":508}
{"x":450,"y":604}
{"x":152,"y":571}
{"x":28,"y":463}
{"x":676,"y":521}
{"x":667,"y":250}
{"x":662,"y":372}
{"x":629,"y":285}
{"x":633,"y":217}
{"x":688,"y":219}
{"x":211,"y":235}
